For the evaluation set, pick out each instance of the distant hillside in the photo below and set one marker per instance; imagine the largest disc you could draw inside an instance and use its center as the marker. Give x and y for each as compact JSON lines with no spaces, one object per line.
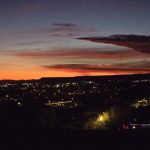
{"x":81,"y":78}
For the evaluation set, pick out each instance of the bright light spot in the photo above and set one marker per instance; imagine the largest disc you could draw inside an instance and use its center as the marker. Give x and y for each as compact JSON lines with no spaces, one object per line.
{"x":101,"y":118}
{"x":133,"y":127}
{"x":57,"y":86}
{"x":19,"y":103}
{"x":104,"y":117}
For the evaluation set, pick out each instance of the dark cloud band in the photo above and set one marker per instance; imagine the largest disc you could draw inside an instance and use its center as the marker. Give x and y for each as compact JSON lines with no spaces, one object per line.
{"x":87,"y":68}
{"x":136,"y":42}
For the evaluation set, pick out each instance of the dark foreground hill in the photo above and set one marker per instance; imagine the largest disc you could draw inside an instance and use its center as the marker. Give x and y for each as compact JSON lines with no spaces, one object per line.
{"x":45,"y":139}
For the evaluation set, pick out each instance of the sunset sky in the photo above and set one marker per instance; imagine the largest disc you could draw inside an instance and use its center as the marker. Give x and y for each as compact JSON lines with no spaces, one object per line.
{"x":41,"y":38}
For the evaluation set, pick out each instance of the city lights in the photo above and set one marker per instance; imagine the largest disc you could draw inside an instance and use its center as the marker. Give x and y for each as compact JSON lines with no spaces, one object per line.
{"x":76,"y":98}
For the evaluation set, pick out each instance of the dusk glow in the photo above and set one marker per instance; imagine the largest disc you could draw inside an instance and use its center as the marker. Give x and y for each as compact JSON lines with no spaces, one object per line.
{"x":47,"y":38}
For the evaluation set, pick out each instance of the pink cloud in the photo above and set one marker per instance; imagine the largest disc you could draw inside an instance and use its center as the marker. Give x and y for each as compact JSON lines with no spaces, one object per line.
{"x":94,"y":53}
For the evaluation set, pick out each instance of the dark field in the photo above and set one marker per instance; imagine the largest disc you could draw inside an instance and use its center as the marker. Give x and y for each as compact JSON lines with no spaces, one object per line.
{"x":45,"y":139}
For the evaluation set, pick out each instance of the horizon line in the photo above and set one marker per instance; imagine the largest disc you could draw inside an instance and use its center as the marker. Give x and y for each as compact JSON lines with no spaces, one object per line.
{"x":74,"y":77}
